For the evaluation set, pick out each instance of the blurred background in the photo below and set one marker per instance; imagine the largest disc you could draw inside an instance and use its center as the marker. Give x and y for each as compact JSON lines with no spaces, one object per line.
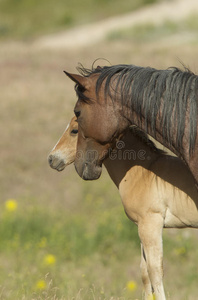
{"x":61,"y":237}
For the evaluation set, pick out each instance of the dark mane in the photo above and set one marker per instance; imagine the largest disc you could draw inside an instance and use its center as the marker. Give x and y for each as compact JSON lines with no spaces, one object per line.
{"x":171,"y":91}
{"x":145,"y":139}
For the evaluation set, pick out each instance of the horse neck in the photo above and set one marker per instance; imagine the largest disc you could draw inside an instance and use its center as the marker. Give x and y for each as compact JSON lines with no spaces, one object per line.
{"x":128,"y":116}
{"x":131,"y":151}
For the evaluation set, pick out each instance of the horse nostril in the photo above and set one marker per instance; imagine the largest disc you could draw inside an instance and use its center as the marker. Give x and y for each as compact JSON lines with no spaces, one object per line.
{"x":50,"y":160}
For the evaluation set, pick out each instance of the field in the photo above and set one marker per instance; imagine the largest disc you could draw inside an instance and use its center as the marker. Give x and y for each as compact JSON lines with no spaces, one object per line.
{"x":17,"y":19}
{"x":61,"y":237}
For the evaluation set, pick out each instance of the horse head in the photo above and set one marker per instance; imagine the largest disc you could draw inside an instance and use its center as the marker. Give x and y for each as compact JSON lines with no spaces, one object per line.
{"x":98,"y":125}
{"x":64,"y":152}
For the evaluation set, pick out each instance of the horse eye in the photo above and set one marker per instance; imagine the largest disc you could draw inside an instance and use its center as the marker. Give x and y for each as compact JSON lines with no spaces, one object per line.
{"x":77,"y":114}
{"x":74,"y":131}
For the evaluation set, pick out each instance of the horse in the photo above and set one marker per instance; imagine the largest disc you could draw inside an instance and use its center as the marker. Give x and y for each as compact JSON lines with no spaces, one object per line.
{"x":163,"y":103}
{"x":157,"y":191}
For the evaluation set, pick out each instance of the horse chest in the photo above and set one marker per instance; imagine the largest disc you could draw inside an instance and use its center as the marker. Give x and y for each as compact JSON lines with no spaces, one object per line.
{"x":138,"y":194}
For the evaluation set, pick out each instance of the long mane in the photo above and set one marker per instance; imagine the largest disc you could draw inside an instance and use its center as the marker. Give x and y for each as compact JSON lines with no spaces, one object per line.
{"x":148,"y":91}
{"x":143,"y":137}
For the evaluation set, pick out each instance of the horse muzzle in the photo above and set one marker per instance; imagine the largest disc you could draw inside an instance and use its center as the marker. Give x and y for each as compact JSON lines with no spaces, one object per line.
{"x":56,"y":163}
{"x":88,"y":171}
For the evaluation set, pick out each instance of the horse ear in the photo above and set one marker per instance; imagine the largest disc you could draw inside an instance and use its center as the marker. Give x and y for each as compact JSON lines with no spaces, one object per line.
{"x":80,"y":80}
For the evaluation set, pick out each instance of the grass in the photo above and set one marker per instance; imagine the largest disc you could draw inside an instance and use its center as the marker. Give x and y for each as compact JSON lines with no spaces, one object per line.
{"x":29,"y":226}
{"x":56,"y":255}
{"x":52,"y":249}
{"x":150,"y":32}
{"x":26,"y":19}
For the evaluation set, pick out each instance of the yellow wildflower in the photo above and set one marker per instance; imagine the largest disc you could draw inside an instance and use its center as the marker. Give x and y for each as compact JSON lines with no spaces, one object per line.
{"x":131,"y":285}
{"x":11,"y":205}
{"x":42,"y":243}
{"x":49,"y":259}
{"x":180,"y":251}
{"x":41,"y":285}
{"x":102,"y":292}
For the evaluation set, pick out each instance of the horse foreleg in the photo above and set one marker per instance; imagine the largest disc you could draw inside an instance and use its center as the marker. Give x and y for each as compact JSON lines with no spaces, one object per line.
{"x":145,"y":276}
{"x":150,"y":233}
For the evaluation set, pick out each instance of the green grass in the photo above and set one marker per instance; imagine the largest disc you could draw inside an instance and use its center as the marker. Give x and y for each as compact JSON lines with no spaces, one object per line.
{"x":29,"y":234}
{"x":25,"y":19}
{"x":51,"y":254}
{"x":150,"y":32}
{"x":29,"y":227}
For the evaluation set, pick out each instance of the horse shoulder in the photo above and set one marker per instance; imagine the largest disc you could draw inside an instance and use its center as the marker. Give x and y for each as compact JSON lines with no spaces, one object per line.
{"x":139,"y":194}
{"x":178,"y":193}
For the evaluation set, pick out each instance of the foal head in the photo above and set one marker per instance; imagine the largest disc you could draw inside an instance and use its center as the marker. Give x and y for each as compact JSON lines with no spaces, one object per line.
{"x":99,"y":124}
{"x":64,"y":152}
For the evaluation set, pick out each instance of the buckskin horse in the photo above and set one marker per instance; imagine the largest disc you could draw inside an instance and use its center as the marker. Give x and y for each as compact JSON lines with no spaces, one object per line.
{"x":162,"y":103}
{"x":157,"y":190}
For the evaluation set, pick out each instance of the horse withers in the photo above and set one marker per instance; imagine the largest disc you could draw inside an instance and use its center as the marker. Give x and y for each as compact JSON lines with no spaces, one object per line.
{"x":163,"y":103}
{"x":157,"y":190}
